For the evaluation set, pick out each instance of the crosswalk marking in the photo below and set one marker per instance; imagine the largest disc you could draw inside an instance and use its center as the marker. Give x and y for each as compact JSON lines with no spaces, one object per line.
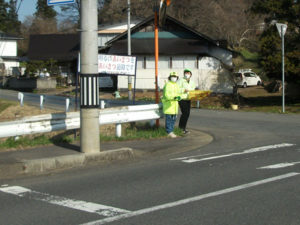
{"x":193,"y":159}
{"x":90,"y":207}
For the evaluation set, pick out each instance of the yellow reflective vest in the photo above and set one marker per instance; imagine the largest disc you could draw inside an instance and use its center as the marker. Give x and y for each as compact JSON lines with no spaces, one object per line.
{"x":170,"y":91}
{"x":185,"y":85}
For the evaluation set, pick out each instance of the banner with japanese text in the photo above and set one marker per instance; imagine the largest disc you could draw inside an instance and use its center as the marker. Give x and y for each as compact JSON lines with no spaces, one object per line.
{"x":117,"y":65}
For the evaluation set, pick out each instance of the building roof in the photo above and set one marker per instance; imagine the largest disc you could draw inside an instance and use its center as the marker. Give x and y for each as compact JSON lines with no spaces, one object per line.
{"x":60,"y":47}
{"x":167,"y":46}
{"x":6,"y":36}
{"x":175,"y":38}
{"x":169,"y":19}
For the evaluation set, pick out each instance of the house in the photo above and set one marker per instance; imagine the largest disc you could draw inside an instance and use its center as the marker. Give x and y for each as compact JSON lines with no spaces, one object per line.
{"x":9,"y":60}
{"x":179,"y":47}
{"x":107,"y":32}
{"x":62,"y":48}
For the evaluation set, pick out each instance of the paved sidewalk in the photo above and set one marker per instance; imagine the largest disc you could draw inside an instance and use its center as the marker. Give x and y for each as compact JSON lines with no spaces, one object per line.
{"x":46,"y":159}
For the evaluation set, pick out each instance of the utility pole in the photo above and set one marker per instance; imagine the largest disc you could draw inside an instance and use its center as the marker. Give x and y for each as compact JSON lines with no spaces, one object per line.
{"x":89,"y":79}
{"x":129,"y":49}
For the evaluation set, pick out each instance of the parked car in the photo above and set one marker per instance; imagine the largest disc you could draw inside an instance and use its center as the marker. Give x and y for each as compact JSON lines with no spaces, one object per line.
{"x":246,"y":77}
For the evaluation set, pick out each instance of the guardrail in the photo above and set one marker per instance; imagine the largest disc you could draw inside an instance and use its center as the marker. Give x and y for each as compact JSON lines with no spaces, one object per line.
{"x":71,"y":120}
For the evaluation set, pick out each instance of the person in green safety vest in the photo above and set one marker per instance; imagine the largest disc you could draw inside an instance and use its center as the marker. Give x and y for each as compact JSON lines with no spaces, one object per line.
{"x":185,"y":84}
{"x":171,"y":96}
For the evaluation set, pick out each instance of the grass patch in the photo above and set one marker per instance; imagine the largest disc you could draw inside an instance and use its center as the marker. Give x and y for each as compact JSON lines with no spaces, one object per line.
{"x":25,"y":142}
{"x":4,"y":104}
{"x":249,"y":56}
{"x":137,"y":132}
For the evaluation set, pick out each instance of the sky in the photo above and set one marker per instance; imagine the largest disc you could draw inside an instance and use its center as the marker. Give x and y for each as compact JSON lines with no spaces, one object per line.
{"x":28,"y":8}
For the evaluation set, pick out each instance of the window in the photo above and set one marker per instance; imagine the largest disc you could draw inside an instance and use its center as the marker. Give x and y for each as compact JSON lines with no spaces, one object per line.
{"x":140,"y":62}
{"x":163,"y":62}
{"x":190,"y":62}
{"x":177,"y":62}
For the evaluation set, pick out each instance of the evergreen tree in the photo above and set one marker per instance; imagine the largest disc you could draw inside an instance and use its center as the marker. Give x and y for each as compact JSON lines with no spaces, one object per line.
{"x":3,"y":15}
{"x":283,"y":11}
{"x":13,"y":24}
{"x":44,"y":11}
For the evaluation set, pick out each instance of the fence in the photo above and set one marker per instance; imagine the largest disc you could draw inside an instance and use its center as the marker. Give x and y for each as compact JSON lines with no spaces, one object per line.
{"x":71,"y":120}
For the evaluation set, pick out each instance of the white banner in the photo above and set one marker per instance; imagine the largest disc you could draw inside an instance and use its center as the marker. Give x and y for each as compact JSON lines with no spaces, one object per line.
{"x":117,"y":65}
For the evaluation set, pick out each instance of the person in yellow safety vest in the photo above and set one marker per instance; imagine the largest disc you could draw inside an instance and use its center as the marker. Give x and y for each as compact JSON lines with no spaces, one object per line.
{"x":185,"y":84}
{"x":171,"y":96}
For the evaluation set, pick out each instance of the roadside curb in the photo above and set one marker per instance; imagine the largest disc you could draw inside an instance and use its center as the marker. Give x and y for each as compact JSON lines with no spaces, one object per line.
{"x":39,"y":166}
{"x":17,"y":166}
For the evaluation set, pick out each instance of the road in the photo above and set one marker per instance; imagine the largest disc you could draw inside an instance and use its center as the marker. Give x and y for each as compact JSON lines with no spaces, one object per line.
{"x":249,"y":174}
{"x":58,"y":102}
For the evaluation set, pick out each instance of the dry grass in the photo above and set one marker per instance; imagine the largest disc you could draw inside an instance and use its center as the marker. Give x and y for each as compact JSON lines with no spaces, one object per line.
{"x":15,"y":112}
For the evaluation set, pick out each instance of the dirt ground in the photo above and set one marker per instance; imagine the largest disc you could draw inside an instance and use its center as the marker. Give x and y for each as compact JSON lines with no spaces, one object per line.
{"x":16,"y":112}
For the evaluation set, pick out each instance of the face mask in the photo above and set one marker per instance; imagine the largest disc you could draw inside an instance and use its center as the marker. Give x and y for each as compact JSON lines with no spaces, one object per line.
{"x":187,"y":76}
{"x":174,"y":79}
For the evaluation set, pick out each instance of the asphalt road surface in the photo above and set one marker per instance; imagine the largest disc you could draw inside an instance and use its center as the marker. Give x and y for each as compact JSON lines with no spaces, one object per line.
{"x":249,"y":174}
{"x":59,"y":102}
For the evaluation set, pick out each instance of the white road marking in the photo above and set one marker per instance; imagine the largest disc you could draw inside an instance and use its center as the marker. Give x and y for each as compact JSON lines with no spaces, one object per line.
{"x":189,"y":200}
{"x":193,"y":156}
{"x":252,"y":150}
{"x":90,"y":207}
{"x":279,"y":165}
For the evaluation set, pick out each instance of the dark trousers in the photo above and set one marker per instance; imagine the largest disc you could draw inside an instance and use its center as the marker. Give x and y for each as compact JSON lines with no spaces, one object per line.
{"x":185,"y":107}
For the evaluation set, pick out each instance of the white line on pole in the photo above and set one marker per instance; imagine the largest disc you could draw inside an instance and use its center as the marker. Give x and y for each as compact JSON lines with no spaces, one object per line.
{"x":90,"y":207}
{"x":252,"y":150}
{"x":193,"y":199}
{"x":279,"y":165}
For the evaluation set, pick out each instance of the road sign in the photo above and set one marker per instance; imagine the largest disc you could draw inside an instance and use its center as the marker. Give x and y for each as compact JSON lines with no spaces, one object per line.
{"x":56,"y":2}
{"x":283,"y":26}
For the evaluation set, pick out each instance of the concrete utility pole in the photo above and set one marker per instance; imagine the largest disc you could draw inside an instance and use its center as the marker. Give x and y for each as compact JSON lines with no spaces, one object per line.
{"x":129,"y":50}
{"x":89,"y":79}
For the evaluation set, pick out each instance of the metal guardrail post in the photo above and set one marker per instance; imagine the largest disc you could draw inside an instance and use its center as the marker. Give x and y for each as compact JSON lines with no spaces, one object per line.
{"x":41,"y":102}
{"x":102,"y":104}
{"x":67,"y":104}
{"x":21,"y":98}
{"x":118,"y":130}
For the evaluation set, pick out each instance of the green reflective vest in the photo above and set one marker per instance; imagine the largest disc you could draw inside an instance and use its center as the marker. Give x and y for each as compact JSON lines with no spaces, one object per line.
{"x":170,"y":91}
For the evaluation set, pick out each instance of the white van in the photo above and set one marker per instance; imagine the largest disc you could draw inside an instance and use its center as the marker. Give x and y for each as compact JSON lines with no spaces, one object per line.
{"x":246,"y":77}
